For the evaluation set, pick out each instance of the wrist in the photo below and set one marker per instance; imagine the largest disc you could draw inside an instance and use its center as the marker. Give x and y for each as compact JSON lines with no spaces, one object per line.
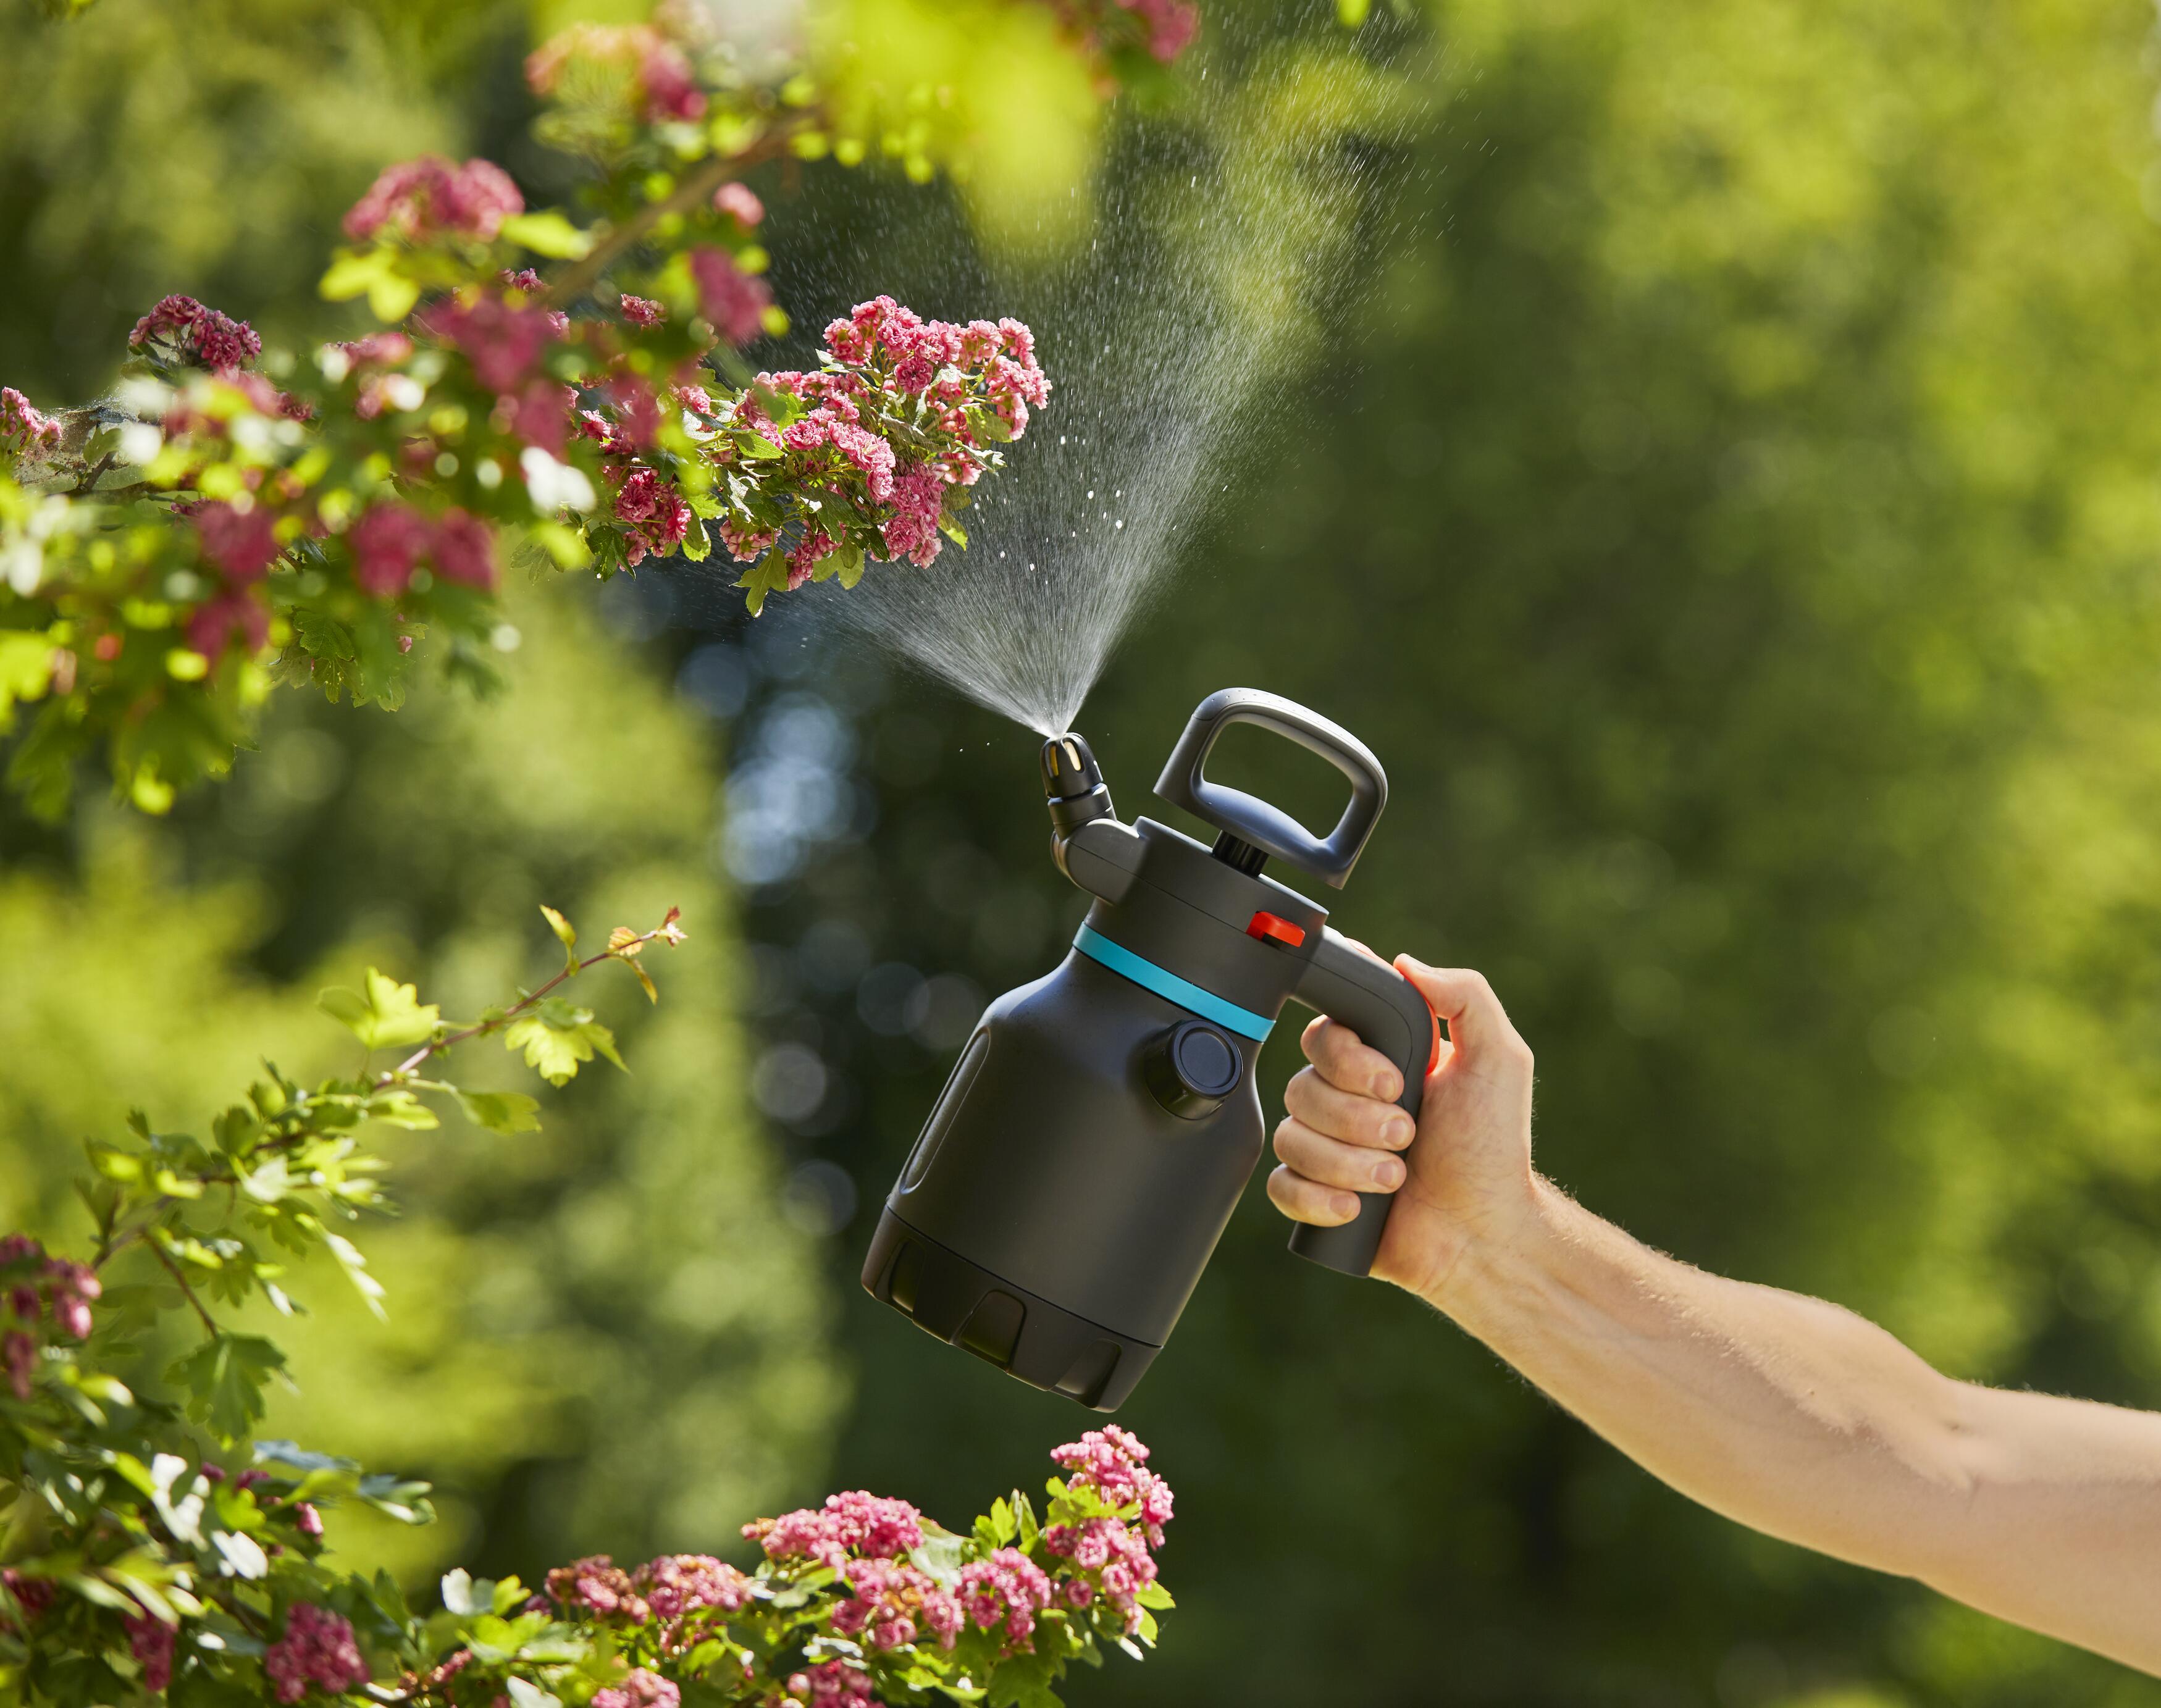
{"x":1507,"y":1248}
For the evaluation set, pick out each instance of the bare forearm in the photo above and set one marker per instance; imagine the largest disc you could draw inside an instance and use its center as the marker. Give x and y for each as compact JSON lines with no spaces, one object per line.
{"x":1801,"y":1420}
{"x":1709,"y":1383}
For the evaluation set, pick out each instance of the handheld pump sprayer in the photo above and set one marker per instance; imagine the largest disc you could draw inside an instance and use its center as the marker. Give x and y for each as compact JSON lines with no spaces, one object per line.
{"x":1078,"y":1169}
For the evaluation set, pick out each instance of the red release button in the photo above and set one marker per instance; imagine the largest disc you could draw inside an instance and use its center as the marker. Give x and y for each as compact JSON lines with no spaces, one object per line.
{"x":1274,"y":928}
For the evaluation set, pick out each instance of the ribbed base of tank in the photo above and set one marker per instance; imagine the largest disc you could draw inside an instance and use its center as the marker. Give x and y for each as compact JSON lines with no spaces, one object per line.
{"x":968,"y":1305}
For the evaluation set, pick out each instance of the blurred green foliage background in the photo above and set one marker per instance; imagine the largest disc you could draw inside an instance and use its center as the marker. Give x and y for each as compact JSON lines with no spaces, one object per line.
{"x":1732,"y":517}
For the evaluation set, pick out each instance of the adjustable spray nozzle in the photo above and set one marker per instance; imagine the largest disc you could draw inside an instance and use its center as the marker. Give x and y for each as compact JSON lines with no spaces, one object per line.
{"x":1073,"y":783}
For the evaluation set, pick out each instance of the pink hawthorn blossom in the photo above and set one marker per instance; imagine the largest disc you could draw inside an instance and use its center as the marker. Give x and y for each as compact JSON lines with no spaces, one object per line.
{"x":642,"y":311}
{"x":242,"y":543}
{"x":419,"y":200}
{"x":181,"y":330}
{"x":668,"y":87}
{"x":1172,"y":25}
{"x":832,"y":1684}
{"x":597,"y":1584}
{"x":387,"y":543}
{"x":317,"y":1649}
{"x":150,"y":1641}
{"x":741,"y":200}
{"x":858,"y":1523}
{"x":641,"y":1689}
{"x":732,"y":299}
{"x":463,"y":549}
{"x":657,"y":516}
{"x":1006,"y":1591}
{"x":23,"y":429}
{"x":676,"y":1583}
{"x":33,"y":1594}
{"x":502,"y":343}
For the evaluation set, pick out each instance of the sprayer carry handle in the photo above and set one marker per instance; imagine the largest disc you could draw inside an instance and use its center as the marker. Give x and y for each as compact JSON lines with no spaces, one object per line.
{"x":1386,"y":1012}
{"x":1252,"y":820}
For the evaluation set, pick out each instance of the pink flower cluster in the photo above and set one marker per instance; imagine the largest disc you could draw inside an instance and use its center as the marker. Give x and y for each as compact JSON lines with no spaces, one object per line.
{"x":317,"y":1649}
{"x":1113,"y":1462}
{"x":882,"y":336}
{"x":23,"y":429}
{"x":891,"y":1600}
{"x":655,"y":517}
{"x":33,"y":1594}
{"x":832,"y":1684}
{"x":180,"y":330}
{"x":1171,"y":24}
{"x":733,"y":300}
{"x":641,"y":1689}
{"x":41,"y":1287}
{"x":1009,"y":1589}
{"x":389,"y":540}
{"x":597,"y":1584}
{"x":1111,"y":1554}
{"x":678,"y":1583}
{"x":857,"y":1522}
{"x":664,"y":83}
{"x":504,"y":344}
{"x":742,"y":202}
{"x":885,"y":359}
{"x":419,"y":200}
{"x":673,"y":1586}
{"x":150,"y":1641}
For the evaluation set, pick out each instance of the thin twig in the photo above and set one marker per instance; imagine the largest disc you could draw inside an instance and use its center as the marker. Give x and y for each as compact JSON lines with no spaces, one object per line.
{"x":187,"y":1292}
{"x":92,"y":476}
{"x":481,"y":1028}
{"x":581,"y":275}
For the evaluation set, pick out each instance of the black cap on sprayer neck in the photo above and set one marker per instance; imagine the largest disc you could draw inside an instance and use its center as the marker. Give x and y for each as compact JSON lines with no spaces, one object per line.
{"x":1073,"y":784}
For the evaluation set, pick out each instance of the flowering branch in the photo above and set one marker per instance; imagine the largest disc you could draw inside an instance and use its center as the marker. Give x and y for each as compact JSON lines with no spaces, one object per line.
{"x":153,"y":1546}
{"x":231,"y":518}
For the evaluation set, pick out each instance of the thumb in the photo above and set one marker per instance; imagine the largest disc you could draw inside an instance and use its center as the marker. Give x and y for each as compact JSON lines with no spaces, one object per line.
{"x":1477,"y":1024}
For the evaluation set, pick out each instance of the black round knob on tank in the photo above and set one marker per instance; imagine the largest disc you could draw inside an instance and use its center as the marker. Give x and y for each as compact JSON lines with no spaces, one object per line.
{"x":1192,"y":1068}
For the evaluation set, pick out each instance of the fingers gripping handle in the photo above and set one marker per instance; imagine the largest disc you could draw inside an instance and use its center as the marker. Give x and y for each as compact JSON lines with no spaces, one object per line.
{"x":1382,"y":1007}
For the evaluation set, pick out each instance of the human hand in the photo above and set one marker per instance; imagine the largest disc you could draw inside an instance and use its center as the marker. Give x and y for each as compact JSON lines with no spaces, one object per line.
{"x":1464,"y":1172}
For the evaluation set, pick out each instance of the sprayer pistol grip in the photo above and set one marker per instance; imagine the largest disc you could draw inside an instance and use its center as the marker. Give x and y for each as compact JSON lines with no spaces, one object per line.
{"x":1386,"y":1011}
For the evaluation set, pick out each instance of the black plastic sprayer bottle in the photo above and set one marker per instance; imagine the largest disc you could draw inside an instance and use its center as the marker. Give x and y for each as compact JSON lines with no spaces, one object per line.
{"x":1080,"y":1163}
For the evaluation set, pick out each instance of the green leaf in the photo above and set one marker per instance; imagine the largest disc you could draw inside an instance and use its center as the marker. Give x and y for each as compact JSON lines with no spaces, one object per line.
{"x":1350,"y":13}
{"x":354,"y":1266}
{"x":501,"y":1111}
{"x":547,"y":234}
{"x":295,"y":1457}
{"x":352,"y":274}
{"x":389,"y":1015}
{"x":26,"y":668}
{"x":390,"y":298}
{"x":225,"y":1377}
{"x":556,"y":1037}
{"x":941,"y":1553}
{"x":395,"y":1497}
{"x":565,"y":933}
